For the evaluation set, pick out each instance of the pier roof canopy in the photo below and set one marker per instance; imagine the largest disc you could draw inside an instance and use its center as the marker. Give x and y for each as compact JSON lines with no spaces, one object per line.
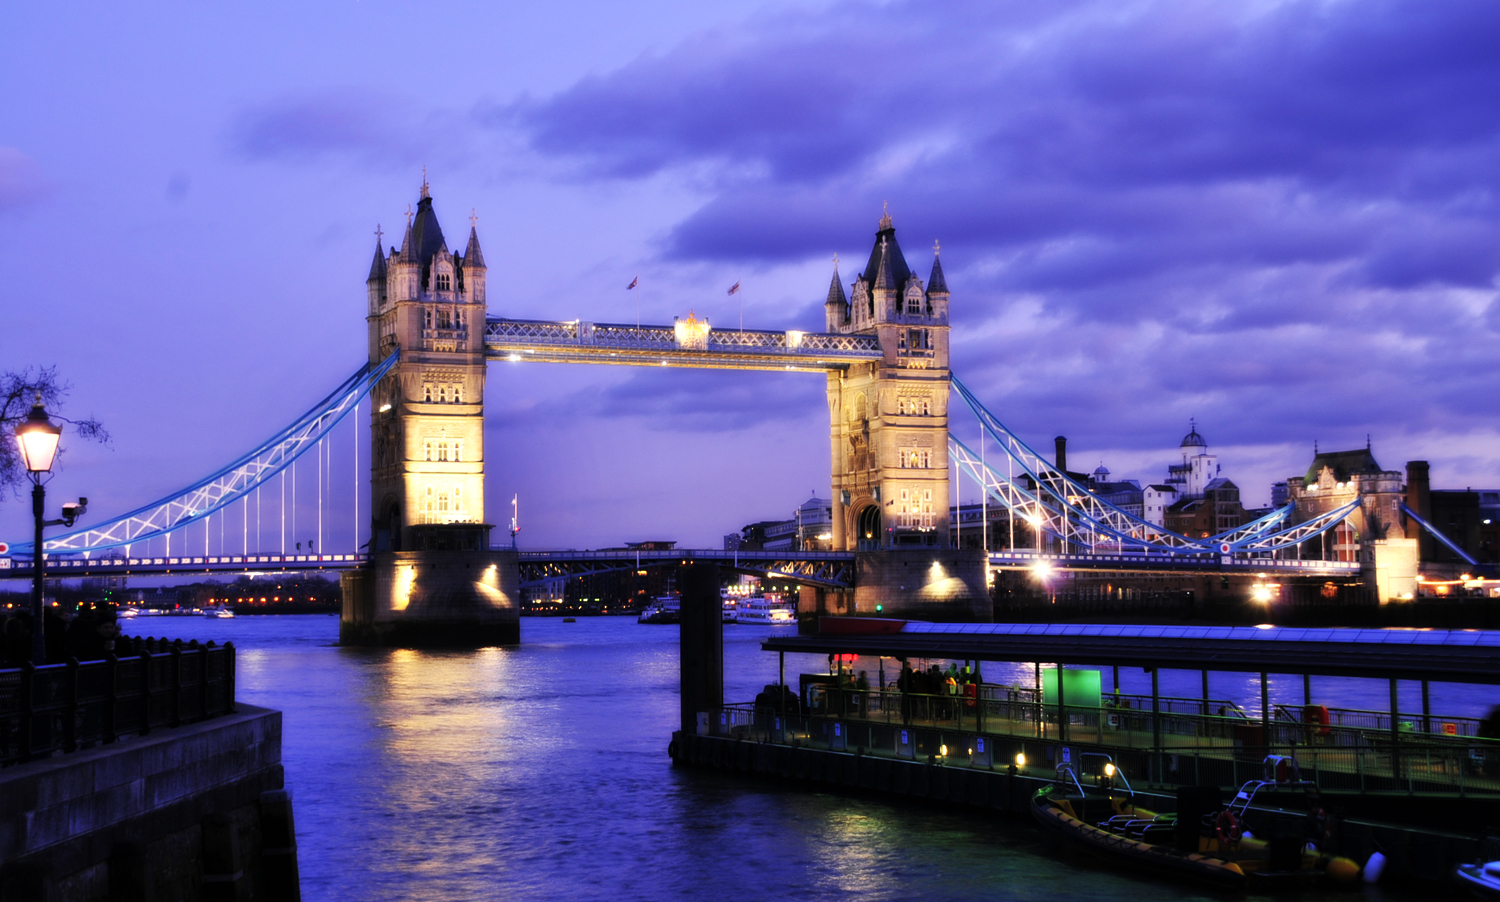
{"x":1456,"y":656}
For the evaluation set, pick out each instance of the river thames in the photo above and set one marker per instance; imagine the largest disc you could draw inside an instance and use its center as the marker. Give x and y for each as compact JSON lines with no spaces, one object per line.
{"x":541,"y":772}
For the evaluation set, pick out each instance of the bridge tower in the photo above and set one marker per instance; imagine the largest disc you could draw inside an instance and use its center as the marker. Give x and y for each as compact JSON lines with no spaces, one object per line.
{"x":433,"y":579}
{"x":889,"y":418}
{"x":427,"y":421}
{"x":888,"y":429}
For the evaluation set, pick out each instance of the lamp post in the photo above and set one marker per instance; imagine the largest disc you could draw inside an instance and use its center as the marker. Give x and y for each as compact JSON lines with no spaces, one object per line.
{"x":38,"y":439}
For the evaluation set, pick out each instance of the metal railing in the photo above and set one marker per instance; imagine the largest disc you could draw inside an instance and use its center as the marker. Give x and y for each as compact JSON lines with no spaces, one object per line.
{"x":72,"y":706}
{"x":1161,"y":749}
{"x":1408,"y":722}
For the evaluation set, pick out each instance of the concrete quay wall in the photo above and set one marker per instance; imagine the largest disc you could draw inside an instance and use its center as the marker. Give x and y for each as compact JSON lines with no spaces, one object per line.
{"x":193,"y":812}
{"x":1412,"y":853}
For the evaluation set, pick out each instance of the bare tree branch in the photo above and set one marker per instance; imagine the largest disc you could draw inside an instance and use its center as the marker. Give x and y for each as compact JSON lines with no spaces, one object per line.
{"x":18,"y":391}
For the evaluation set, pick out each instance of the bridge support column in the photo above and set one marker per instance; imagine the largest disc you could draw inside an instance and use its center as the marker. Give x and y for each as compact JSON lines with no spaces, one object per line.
{"x":1389,"y":567}
{"x":701,"y":643}
{"x":946,"y":585}
{"x":438,"y":597}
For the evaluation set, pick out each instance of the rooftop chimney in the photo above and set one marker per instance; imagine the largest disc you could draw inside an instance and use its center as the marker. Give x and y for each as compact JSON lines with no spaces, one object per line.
{"x":1062,"y":453}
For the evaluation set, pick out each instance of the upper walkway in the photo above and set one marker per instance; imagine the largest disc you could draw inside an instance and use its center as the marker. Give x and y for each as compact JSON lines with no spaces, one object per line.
{"x":687,"y":343}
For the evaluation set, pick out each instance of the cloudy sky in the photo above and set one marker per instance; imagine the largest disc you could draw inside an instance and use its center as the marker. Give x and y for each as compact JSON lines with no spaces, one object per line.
{"x":1279,"y":218}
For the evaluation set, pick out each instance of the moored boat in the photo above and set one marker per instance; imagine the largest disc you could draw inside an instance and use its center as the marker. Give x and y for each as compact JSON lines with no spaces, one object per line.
{"x":763,"y":610}
{"x":1481,"y":880}
{"x":666,"y":609}
{"x":1218,"y":848}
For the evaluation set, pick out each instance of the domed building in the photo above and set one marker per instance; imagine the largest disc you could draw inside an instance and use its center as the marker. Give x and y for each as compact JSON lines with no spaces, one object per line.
{"x":1198,"y":467}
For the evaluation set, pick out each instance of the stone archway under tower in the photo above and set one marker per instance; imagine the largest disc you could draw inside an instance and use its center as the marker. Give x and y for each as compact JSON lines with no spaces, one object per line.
{"x":868,"y":533}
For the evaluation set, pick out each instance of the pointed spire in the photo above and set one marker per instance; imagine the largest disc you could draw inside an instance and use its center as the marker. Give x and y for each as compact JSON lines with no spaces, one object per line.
{"x":377,"y":266}
{"x":407,"y":249}
{"x":936,"y":283}
{"x":836,"y":288}
{"x":885,"y":216}
{"x":473,"y":258}
{"x":426,"y":189}
{"x":884,"y":278}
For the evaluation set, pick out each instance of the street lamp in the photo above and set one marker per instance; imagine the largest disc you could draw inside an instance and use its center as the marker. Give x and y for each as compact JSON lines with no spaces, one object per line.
{"x":38,"y":440}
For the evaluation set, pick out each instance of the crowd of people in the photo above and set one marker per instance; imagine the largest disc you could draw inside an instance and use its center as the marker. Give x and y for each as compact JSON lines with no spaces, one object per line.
{"x":85,"y":634}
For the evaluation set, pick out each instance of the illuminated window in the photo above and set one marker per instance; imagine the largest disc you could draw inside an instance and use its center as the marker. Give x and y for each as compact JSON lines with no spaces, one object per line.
{"x":916,"y":458}
{"x":427,"y":318}
{"x":427,"y":394}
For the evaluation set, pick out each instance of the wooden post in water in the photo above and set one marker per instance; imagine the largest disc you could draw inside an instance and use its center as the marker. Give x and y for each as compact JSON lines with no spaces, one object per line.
{"x":701,"y":643}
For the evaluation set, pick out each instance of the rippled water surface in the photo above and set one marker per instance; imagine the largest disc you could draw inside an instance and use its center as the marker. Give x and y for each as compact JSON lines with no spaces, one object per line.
{"x":540,"y":772}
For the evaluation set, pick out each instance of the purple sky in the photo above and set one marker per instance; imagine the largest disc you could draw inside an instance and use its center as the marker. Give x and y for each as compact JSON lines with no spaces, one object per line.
{"x":1278,"y":218}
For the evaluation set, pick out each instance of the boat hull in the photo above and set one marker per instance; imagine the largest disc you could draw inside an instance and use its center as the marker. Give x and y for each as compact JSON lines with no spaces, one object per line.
{"x":1133,"y":853}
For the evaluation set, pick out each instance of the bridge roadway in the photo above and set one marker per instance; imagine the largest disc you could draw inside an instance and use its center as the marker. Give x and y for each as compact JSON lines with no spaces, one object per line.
{"x":833,"y":569}
{"x":16,"y":568}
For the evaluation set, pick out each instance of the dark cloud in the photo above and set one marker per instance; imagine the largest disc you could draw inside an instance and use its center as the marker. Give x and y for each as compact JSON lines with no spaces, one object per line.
{"x":1296,"y":132}
{"x":1285,"y":218}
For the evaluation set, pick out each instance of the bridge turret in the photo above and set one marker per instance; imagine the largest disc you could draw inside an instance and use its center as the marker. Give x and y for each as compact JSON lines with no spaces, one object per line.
{"x":472,"y":271}
{"x":937,"y":288}
{"x":376,"y":281}
{"x":836,"y":308}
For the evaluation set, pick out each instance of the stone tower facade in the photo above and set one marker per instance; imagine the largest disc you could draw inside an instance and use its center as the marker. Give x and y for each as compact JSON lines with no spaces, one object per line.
{"x":427,"y":416}
{"x":889,"y":418}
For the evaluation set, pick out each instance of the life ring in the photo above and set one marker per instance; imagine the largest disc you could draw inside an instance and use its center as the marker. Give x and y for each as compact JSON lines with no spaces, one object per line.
{"x":1227,"y":828}
{"x":672,"y":750}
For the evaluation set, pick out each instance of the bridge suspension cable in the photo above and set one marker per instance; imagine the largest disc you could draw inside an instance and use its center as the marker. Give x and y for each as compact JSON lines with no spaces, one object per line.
{"x":231,"y":483}
{"x":1053,"y":502}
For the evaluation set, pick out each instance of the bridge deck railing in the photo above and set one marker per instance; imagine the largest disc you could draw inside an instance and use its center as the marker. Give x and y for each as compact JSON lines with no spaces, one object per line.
{"x":66,"y":707}
{"x":1158,"y":749}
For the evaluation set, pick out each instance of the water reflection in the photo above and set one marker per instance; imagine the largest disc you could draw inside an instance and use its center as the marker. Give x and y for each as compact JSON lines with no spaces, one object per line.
{"x":540,"y":772}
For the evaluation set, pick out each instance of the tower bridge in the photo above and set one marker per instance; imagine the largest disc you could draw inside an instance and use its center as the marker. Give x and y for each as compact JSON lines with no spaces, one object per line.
{"x":431,"y":575}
